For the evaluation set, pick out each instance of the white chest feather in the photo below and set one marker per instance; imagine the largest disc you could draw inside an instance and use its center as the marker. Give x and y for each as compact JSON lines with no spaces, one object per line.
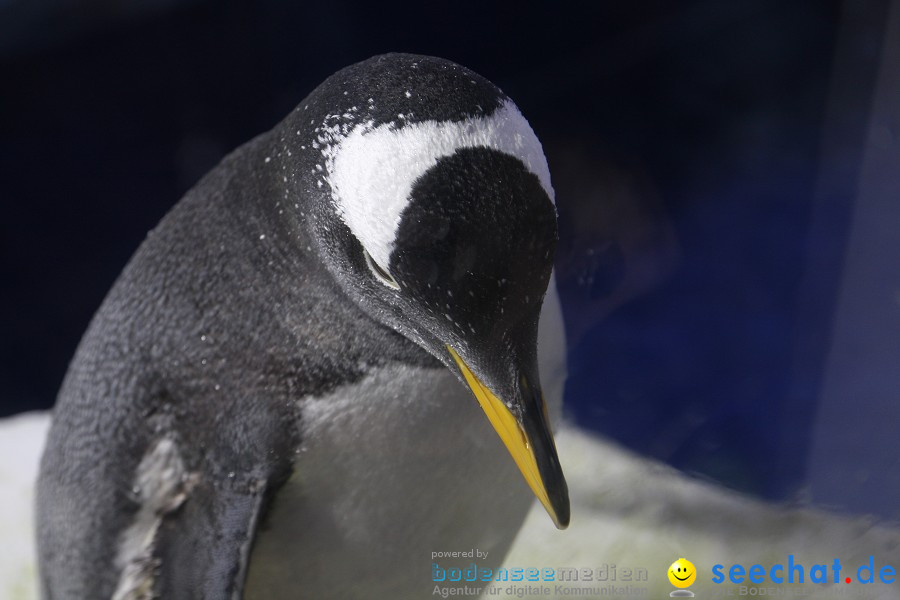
{"x":392,"y":468}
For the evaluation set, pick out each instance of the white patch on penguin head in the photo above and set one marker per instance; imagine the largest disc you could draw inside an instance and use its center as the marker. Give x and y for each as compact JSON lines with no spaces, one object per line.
{"x":372,"y":170}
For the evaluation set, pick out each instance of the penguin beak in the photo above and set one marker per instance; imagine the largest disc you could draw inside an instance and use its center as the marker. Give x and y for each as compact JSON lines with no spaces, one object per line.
{"x":528,"y":440}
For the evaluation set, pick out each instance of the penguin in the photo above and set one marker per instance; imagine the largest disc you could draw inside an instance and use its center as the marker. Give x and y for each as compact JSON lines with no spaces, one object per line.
{"x":302,"y":383}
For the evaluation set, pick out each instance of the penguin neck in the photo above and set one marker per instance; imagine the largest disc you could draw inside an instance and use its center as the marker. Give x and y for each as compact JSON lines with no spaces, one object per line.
{"x":259,"y":237}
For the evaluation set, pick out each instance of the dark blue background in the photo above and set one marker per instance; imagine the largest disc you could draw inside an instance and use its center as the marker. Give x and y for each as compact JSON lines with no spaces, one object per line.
{"x":108,"y":116}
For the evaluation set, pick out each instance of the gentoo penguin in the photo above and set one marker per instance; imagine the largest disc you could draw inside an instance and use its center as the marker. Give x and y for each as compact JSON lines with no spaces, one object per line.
{"x":275,"y":400}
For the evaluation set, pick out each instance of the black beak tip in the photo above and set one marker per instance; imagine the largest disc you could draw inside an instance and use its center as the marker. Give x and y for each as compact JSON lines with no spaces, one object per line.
{"x":560,"y":503}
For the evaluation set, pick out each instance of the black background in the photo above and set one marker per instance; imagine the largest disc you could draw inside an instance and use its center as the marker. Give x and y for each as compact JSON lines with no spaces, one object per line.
{"x":107,"y":117}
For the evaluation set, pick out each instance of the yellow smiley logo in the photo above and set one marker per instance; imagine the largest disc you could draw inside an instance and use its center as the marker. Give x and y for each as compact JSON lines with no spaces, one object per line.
{"x":682,"y":573}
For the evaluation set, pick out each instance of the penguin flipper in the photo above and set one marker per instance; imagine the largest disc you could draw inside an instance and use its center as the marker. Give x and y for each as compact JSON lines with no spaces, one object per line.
{"x":203,"y":549}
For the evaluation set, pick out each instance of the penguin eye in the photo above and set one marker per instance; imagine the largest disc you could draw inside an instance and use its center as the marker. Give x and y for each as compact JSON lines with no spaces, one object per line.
{"x":382,"y":275}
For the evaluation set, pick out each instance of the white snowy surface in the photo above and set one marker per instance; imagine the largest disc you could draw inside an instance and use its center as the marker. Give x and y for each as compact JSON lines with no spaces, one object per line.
{"x":626,"y":511}
{"x":633,"y":512}
{"x":21,"y":443}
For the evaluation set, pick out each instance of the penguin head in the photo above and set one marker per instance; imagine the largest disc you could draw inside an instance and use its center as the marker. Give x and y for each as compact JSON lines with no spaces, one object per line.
{"x":436,"y":215}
